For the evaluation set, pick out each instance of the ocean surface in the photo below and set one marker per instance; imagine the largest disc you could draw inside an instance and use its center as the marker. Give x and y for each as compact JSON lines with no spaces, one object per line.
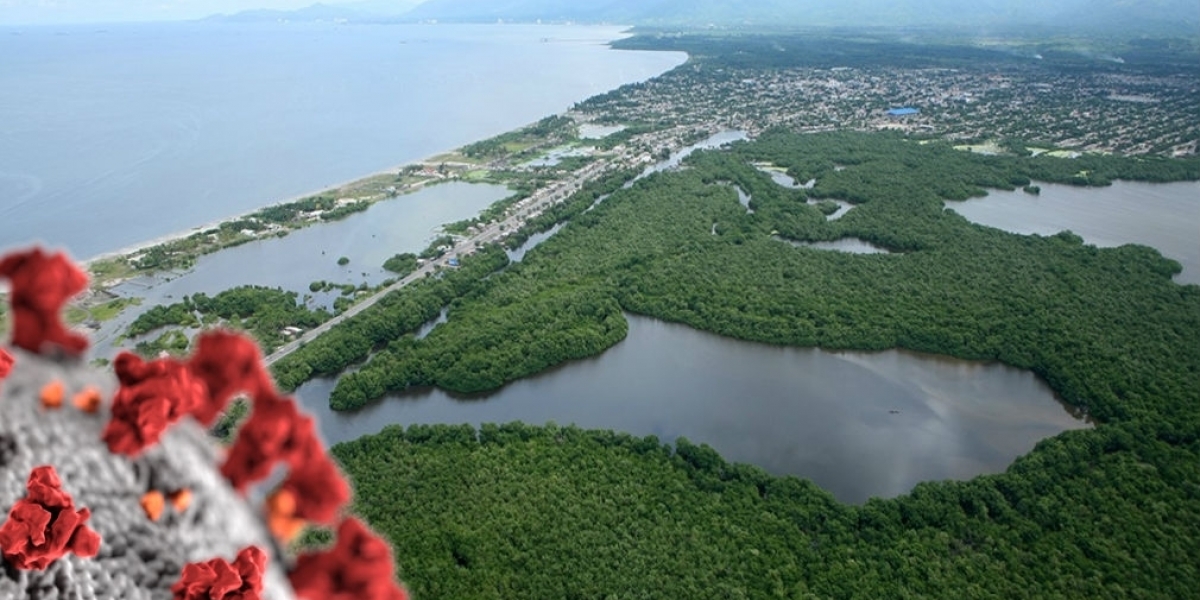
{"x":115,"y":135}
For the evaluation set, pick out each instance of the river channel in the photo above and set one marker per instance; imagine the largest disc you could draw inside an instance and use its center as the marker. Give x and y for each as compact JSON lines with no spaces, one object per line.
{"x":857,"y":424}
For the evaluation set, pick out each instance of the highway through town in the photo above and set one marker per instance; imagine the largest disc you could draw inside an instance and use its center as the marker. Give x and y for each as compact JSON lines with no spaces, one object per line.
{"x":491,"y":233}
{"x":521,"y":211}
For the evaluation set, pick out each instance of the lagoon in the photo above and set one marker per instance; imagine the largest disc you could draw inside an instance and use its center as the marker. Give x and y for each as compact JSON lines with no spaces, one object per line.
{"x":1163,"y":216}
{"x":858,"y":424}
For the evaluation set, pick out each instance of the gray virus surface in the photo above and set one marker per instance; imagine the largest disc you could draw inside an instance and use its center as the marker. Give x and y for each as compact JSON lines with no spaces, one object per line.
{"x":139,"y":558}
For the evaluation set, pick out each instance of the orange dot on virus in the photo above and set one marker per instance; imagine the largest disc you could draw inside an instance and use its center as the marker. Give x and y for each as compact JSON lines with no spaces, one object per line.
{"x":88,"y":400}
{"x":52,"y":394}
{"x":153,"y":503}
{"x":282,"y":503}
{"x":281,"y":520}
{"x":181,"y":500}
{"x":285,"y":529}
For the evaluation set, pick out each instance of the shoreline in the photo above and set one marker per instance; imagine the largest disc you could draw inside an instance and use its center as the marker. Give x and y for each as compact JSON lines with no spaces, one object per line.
{"x":179,"y":235}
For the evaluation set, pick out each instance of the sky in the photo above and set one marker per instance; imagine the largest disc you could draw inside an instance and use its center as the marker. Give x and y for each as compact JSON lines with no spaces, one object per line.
{"x":26,"y":12}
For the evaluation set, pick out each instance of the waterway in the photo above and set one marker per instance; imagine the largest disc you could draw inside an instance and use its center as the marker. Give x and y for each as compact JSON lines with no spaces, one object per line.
{"x":404,"y":224}
{"x":857,"y":424}
{"x":1163,"y":216}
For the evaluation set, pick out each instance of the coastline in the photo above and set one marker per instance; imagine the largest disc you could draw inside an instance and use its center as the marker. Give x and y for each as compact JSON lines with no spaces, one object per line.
{"x":178,"y":235}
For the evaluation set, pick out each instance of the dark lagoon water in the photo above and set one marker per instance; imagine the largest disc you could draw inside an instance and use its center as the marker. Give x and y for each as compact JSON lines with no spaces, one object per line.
{"x":114,"y":135}
{"x":858,"y":424}
{"x":1163,"y":216}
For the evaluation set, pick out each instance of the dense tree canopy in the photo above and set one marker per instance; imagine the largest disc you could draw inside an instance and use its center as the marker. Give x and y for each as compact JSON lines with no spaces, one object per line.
{"x":549,"y":512}
{"x":557,"y":512}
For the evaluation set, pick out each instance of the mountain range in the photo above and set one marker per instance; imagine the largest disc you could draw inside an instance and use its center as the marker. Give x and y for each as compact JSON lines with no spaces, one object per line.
{"x":1180,"y":16}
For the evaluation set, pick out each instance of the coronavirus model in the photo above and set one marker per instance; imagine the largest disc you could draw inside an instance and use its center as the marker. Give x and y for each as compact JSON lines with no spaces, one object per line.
{"x":110,"y":487}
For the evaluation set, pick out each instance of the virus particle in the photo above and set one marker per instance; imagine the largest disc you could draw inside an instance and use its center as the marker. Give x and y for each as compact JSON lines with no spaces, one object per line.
{"x":275,"y":432}
{"x":44,"y":525}
{"x":41,"y":284}
{"x":169,"y":503}
{"x":6,"y":363}
{"x":52,"y":394}
{"x":181,"y":500}
{"x":217,"y":579}
{"x":227,"y":363}
{"x":153,"y":396}
{"x":89,"y":400}
{"x":281,"y":516}
{"x":153,"y":503}
{"x":358,"y":566}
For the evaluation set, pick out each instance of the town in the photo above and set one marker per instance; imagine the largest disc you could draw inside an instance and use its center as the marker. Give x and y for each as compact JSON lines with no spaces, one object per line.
{"x":1008,"y":106}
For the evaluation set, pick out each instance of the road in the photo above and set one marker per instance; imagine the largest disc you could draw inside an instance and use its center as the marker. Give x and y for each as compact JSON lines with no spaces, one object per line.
{"x":540,"y":200}
{"x":533,"y":205}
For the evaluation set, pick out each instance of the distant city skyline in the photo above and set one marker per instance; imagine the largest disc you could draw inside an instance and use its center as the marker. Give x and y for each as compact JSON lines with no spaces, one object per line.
{"x":61,"y":12}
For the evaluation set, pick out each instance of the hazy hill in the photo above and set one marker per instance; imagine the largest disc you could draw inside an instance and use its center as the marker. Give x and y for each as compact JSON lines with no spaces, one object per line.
{"x":1067,"y":13}
{"x":362,"y":11}
{"x":316,"y":12}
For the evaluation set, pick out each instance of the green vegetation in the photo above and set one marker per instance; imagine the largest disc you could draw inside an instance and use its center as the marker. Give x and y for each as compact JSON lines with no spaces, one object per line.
{"x":435,"y":248}
{"x":92,"y":312}
{"x":387,"y":324}
{"x":73,"y":315}
{"x":343,"y":261}
{"x":515,"y":142}
{"x":174,"y":342}
{"x":556,"y":512}
{"x":109,"y":310}
{"x":827,"y":207}
{"x":110,"y":270}
{"x":278,"y":219}
{"x":396,"y":314}
{"x":954,"y":288}
{"x":261,"y":311}
{"x":401,"y":264}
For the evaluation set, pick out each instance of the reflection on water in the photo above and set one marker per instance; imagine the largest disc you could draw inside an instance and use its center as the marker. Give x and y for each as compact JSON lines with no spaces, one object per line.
{"x":1163,"y":216}
{"x":849,"y":244}
{"x":714,"y":141}
{"x":518,"y":254}
{"x":591,"y":131}
{"x":404,"y":224}
{"x":858,"y":424}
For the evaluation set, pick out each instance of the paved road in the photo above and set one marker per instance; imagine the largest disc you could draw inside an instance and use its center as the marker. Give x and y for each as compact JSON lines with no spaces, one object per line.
{"x":541,"y":199}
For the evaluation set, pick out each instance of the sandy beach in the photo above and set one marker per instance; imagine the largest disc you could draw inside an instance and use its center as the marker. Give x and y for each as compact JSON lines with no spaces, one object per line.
{"x":178,"y":235}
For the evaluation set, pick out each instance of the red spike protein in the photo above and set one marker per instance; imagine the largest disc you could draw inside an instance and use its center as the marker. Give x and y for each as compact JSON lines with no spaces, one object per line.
{"x":152,"y":398}
{"x":44,"y":526}
{"x":41,"y":284}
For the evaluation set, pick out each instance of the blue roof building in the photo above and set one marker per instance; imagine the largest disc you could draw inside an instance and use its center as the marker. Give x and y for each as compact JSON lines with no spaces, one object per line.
{"x":903,"y":111}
